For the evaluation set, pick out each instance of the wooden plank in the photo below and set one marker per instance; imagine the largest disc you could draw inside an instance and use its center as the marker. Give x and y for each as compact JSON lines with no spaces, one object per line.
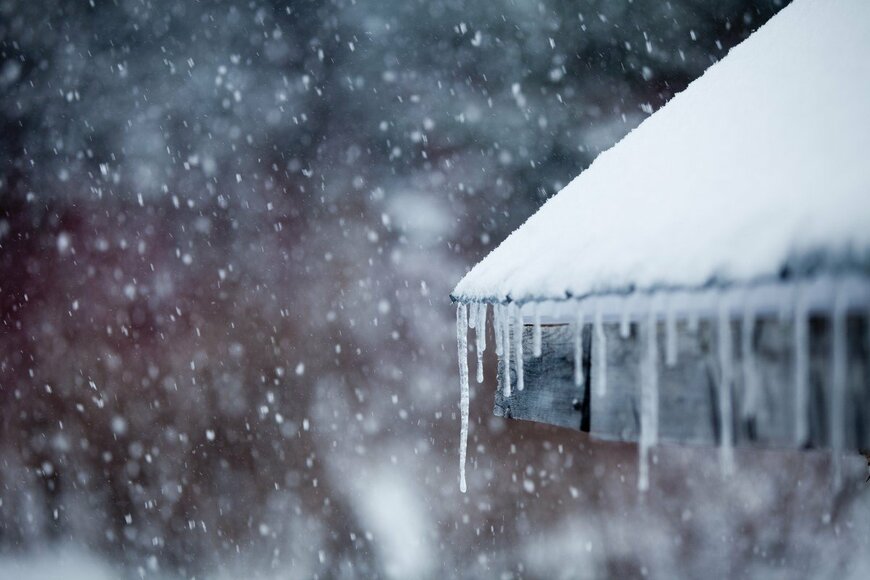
{"x":688,"y":399}
{"x":550,"y":395}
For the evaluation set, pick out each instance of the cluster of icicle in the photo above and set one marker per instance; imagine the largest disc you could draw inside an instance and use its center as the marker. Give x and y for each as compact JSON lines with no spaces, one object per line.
{"x":832,"y":296}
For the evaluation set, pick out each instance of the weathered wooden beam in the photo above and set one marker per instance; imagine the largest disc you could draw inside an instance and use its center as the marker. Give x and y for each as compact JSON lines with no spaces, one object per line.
{"x":688,"y":401}
{"x":550,"y":395}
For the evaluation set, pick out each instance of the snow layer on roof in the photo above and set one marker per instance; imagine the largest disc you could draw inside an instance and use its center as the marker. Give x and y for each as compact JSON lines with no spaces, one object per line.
{"x":760,"y":164}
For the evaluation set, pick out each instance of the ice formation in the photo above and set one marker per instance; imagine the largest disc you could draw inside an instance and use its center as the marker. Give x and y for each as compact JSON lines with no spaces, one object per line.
{"x":723,"y":311}
{"x":506,"y":347}
{"x":838,"y":382}
{"x":726,"y":378}
{"x":625,"y":319}
{"x":670,"y":335}
{"x":578,"y":348}
{"x":801,"y":324}
{"x":480,"y":336}
{"x":747,"y":355}
{"x":518,"y":346}
{"x":462,"y":344}
{"x":649,"y":400}
{"x":497,"y":329}
{"x":601,"y":340}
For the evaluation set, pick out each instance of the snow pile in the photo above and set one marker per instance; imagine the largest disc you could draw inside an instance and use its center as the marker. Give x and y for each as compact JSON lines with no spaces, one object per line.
{"x":759,"y":165}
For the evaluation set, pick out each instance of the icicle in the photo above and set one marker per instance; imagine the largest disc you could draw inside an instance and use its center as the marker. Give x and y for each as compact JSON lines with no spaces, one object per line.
{"x":653,"y":357}
{"x":625,"y":319}
{"x":726,"y":377}
{"x":670,"y":335}
{"x":518,"y":345}
{"x":747,"y":355}
{"x":578,"y":348}
{"x":462,"y":345}
{"x":837,"y":409}
{"x":801,"y":367}
{"x":649,"y":401}
{"x":506,"y":347}
{"x":480,"y":335}
{"x":601,"y":377}
{"x":786,"y":307}
{"x":536,"y":334}
{"x":693,"y":321}
{"x":496,"y":329}
{"x":642,"y":467}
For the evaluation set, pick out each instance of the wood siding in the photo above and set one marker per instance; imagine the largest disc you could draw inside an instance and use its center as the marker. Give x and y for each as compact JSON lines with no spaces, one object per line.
{"x":688,"y":397}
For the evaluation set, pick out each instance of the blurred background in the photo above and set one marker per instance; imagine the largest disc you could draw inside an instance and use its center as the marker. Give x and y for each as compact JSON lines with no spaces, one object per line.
{"x":228,"y":231}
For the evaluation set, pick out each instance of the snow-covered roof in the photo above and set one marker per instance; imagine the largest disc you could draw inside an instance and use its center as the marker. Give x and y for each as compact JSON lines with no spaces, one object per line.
{"x":761,"y":165}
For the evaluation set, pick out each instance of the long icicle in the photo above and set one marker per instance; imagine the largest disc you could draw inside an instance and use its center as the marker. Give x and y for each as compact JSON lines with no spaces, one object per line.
{"x":801,"y":367}
{"x":601,"y":339}
{"x":536,"y":334}
{"x":747,"y":355}
{"x":654,"y":380}
{"x":518,"y":345}
{"x":578,"y":347}
{"x":462,"y":347}
{"x":693,"y":319}
{"x":625,"y":318}
{"x":838,"y":383}
{"x":506,"y":346}
{"x":497,"y":329}
{"x":671,"y":334}
{"x":726,"y":378}
{"x":480,"y":336}
{"x":649,"y":401}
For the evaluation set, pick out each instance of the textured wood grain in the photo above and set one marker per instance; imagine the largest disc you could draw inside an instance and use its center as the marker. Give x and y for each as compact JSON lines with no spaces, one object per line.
{"x":550,"y":395}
